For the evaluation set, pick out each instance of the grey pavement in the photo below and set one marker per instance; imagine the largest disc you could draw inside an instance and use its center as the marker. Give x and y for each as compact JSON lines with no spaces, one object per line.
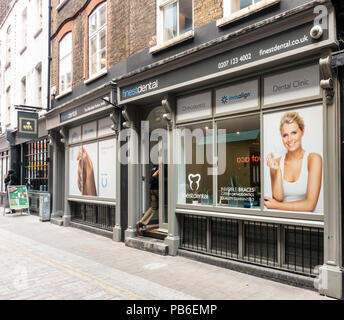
{"x":42,"y":261}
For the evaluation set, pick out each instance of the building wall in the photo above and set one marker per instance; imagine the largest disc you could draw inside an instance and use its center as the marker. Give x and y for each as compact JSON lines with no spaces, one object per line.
{"x":26,"y":58}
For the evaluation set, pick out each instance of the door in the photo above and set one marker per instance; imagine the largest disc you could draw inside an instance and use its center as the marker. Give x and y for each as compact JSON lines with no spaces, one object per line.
{"x":156,"y":122}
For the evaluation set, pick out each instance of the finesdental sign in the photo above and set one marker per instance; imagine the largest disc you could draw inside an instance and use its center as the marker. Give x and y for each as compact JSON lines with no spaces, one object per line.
{"x":294,"y":85}
{"x":140,"y":89}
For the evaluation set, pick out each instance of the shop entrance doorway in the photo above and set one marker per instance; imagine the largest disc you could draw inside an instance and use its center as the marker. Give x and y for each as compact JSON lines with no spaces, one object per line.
{"x":157,"y":227}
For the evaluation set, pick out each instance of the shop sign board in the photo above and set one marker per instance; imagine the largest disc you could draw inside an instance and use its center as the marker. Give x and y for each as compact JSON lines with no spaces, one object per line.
{"x":27,"y":125}
{"x":267,"y":48}
{"x":237,"y":97}
{"x":294,"y":85}
{"x":18,"y":197}
{"x":196,"y":106}
{"x":83,"y":109}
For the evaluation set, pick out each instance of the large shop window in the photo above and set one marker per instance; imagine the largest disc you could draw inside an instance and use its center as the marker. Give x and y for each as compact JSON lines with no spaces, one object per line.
{"x":92,"y":160}
{"x":97,"y":40}
{"x":195,"y":182}
{"x":239,"y":185}
{"x":292,"y":146}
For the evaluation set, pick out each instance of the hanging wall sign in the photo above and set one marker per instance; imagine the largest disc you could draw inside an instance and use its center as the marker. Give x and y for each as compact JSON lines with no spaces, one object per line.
{"x":85,"y":108}
{"x":27,"y":125}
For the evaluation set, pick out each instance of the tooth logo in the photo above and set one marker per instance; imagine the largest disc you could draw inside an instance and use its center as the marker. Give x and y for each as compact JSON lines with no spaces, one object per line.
{"x":193,"y":181}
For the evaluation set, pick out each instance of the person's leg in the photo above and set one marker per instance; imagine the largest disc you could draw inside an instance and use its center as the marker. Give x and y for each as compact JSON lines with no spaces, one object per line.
{"x":149,"y":213}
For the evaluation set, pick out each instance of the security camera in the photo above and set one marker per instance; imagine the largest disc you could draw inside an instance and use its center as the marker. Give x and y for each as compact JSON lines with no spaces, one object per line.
{"x":316,"y":32}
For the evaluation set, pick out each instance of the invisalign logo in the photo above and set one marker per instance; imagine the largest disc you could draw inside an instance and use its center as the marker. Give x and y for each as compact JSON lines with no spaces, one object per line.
{"x":228,"y":99}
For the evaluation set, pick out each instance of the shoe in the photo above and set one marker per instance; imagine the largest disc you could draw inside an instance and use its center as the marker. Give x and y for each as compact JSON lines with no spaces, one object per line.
{"x":138,"y":229}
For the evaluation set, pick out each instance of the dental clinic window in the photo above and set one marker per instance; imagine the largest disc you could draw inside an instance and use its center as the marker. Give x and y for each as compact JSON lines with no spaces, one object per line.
{"x":175,"y":18}
{"x":65,"y":63}
{"x":97,"y":40}
{"x":195,"y":181}
{"x":194,"y":154}
{"x":238,"y":185}
{"x":92,"y":160}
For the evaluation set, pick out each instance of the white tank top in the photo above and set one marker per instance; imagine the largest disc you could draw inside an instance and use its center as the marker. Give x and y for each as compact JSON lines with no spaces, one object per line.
{"x":295,"y":191}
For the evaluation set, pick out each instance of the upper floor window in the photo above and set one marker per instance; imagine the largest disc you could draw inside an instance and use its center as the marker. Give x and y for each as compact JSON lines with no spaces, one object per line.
{"x":39,"y":83}
{"x":23,"y":90}
{"x":97,"y":40}
{"x":175,"y":18}
{"x":237,"y":9}
{"x":65,"y":63}
{"x":24,"y":27}
{"x":8,"y":45}
{"x":39,"y":13}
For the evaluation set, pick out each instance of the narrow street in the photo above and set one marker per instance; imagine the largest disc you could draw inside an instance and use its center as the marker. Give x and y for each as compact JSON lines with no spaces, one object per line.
{"x":42,"y":261}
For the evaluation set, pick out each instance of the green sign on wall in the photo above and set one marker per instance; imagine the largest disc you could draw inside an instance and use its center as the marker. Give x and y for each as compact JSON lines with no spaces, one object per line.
{"x":18,"y":198}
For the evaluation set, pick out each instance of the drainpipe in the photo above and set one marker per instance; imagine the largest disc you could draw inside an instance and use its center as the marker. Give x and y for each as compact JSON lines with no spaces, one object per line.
{"x":49,"y":54}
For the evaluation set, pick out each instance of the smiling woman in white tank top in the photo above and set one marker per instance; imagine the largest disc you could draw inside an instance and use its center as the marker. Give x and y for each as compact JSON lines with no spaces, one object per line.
{"x":296,"y":177}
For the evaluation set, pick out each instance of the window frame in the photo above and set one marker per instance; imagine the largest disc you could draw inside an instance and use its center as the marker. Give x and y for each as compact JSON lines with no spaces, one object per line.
{"x":96,"y":34}
{"x":63,"y":60}
{"x":161,"y":4}
{"x":230,"y":16}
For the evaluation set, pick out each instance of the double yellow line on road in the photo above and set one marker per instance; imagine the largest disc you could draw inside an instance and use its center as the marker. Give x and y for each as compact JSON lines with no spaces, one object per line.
{"x":90,"y":278}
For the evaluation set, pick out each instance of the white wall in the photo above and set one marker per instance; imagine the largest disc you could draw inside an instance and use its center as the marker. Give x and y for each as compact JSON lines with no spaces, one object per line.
{"x":23,"y":61}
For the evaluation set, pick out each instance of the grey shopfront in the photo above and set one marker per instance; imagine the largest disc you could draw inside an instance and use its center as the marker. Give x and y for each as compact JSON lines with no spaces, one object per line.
{"x":85,"y":168}
{"x":235,"y":94}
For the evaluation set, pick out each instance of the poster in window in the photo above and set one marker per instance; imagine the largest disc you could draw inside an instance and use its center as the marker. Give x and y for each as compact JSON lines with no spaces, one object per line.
{"x":293,"y":160}
{"x":107,"y":169}
{"x":89,"y":155}
{"x":74,"y":163}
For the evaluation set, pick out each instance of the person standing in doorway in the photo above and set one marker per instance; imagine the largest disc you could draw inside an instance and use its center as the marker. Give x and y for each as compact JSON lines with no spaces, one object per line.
{"x":154,"y":195}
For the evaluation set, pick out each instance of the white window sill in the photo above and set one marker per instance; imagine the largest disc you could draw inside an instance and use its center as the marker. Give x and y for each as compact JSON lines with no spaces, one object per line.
{"x":183,"y":37}
{"x":38,"y":32}
{"x":64,"y":93}
{"x":254,"y":8}
{"x":95,"y":76}
{"x":61,"y":5}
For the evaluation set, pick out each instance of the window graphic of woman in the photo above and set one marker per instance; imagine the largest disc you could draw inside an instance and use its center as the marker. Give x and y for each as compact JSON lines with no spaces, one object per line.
{"x":296,"y":177}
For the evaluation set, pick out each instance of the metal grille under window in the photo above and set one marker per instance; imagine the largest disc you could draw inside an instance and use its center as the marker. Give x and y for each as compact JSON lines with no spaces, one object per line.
{"x":303,"y":248}
{"x":261,"y":243}
{"x":98,"y":216}
{"x":224,"y":237}
{"x":194,"y":233}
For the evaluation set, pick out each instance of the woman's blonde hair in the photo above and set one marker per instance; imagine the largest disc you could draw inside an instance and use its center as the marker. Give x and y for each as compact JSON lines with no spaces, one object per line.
{"x":291,"y":117}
